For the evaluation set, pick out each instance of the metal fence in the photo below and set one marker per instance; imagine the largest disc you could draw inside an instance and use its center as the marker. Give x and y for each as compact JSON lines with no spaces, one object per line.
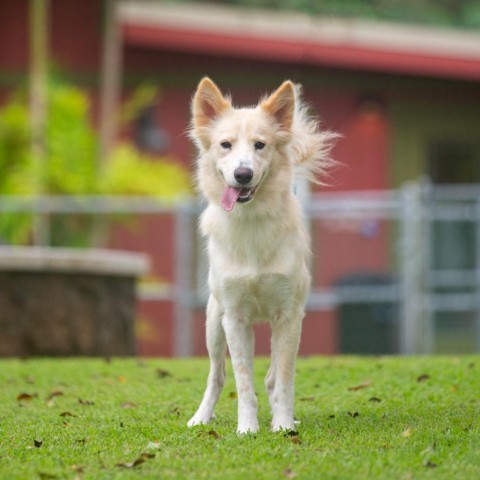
{"x":416,"y":248}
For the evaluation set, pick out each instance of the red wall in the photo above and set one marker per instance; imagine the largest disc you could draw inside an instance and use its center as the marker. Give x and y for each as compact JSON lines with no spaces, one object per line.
{"x":75,"y":38}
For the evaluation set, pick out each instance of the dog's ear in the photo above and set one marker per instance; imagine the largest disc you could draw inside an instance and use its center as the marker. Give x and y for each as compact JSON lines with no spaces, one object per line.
{"x":208,"y":103}
{"x":281,"y":105}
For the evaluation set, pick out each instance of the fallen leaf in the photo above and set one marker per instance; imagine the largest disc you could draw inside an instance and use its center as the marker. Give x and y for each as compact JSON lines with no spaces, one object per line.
{"x":55,"y":393}
{"x":423,"y":377}
{"x":430,"y":464}
{"x":21,"y":397}
{"x":293,"y":436}
{"x":232,"y":395}
{"x":127,"y":405}
{"x":374,"y":399}
{"x":81,"y":441}
{"x":354,"y":414}
{"x":46,"y":476}
{"x":138,"y":461}
{"x":122,"y":379}
{"x":77,"y":469}
{"x":85,"y":402}
{"x":289,"y":473}
{"x":67,"y":414}
{"x":407,"y":432}
{"x":37,"y":443}
{"x":214,"y":434}
{"x":307,"y":399}
{"x":161,"y":373}
{"x":360,"y":387}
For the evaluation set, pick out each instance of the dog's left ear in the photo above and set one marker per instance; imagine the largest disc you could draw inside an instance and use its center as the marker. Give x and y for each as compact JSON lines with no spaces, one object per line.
{"x":281,"y":105}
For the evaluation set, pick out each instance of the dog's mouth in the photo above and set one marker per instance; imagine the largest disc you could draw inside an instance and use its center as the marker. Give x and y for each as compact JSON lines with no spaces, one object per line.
{"x":231,"y":195}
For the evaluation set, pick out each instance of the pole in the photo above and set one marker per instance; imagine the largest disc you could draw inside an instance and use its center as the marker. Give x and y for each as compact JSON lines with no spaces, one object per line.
{"x":38,"y":104}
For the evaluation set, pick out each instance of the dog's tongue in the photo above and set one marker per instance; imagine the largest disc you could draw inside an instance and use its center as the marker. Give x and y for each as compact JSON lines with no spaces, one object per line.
{"x":229,"y":197}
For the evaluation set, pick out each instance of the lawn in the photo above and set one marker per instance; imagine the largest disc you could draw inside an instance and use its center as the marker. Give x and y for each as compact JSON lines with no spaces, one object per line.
{"x":360,"y":418}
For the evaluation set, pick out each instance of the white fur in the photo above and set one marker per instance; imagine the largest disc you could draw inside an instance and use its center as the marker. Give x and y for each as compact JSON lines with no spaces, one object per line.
{"x":259,"y":252}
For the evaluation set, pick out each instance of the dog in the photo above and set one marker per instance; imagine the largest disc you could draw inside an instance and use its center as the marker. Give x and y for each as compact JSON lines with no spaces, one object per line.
{"x":258,"y":246}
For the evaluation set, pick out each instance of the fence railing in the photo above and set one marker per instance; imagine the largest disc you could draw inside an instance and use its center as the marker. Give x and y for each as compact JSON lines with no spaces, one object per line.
{"x":433,"y":242}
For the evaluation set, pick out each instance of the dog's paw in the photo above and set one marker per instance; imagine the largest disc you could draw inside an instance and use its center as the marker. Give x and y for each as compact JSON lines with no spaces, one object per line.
{"x":248,"y":427}
{"x":283,"y":424}
{"x":199,"y":420}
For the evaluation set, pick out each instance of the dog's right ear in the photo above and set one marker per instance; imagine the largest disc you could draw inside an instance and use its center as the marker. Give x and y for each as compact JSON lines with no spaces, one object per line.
{"x":208,"y":103}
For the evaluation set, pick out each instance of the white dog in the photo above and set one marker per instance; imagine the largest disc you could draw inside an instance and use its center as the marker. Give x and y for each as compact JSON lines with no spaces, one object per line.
{"x":257,"y":243}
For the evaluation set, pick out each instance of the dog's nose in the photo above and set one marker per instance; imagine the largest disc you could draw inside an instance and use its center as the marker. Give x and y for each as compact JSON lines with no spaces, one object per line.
{"x":243,"y":175}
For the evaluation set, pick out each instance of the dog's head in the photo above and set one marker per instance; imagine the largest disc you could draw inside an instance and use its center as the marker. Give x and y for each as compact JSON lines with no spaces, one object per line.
{"x":239,"y":146}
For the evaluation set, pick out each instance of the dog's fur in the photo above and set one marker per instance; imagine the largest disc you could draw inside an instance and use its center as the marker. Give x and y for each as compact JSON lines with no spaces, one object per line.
{"x":257,"y":242}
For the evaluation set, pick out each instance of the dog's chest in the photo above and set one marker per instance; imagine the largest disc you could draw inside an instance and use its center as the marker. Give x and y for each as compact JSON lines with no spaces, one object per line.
{"x":259,"y":298}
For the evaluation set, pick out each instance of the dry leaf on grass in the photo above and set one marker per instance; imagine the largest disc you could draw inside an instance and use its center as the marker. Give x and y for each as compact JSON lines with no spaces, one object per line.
{"x":138,"y":461}
{"x":22,"y":397}
{"x":360,"y":387}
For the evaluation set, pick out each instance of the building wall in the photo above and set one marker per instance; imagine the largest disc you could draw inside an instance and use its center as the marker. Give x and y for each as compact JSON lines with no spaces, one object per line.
{"x":384,"y":119}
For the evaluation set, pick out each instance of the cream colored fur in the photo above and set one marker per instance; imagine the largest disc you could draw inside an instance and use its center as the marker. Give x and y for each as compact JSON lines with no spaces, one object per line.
{"x":259,"y":251}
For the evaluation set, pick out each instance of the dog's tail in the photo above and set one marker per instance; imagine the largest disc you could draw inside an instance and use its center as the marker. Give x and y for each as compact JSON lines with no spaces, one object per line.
{"x":310,"y":147}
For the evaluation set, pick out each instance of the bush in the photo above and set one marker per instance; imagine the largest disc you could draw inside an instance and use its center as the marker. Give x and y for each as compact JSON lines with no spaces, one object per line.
{"x":70,"y":167}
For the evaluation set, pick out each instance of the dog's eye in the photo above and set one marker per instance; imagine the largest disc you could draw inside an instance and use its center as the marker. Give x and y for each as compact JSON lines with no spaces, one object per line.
{"x":226,"y":145}
{"x":259,"y":145}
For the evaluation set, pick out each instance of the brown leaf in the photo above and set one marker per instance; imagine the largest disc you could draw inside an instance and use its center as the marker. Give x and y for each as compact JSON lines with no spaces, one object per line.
{"x":46,"y":476}
{"x":77,"y":469}
{"x":307,"y":399}
{"x":161,"y":373}
{"x":232,"y":395}
{"x":214,"y":434}
{"x":293,"y":436}
{"x":21,"y":397}
{"x":127,"y":405}
{"x":55,"y":393}
{"x":374,"y":399}
{"x":360,"y":387}
{"x":138,"y":461}
{"x":85,"y":402}
{"x":37,"y":443}
{"x":423,"y":377}
{"x":67,"y":414}
{"x":289,"y":473}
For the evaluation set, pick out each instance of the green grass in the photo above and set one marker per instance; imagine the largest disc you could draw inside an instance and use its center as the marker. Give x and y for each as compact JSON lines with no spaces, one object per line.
{"x":404,"y":418}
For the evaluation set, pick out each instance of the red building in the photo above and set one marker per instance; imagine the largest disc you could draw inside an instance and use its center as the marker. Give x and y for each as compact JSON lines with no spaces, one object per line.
{"x":391,"y":90}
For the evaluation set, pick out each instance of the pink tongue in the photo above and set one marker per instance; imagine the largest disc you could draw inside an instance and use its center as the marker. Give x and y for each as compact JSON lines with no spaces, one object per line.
{"x":229,"y":197}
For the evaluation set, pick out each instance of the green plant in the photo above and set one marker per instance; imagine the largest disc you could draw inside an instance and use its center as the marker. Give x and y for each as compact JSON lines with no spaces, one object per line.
{"x":71,"y":166}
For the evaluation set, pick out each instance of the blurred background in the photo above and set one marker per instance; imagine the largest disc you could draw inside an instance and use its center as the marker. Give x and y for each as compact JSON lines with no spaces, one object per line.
{"x":94,"y":109}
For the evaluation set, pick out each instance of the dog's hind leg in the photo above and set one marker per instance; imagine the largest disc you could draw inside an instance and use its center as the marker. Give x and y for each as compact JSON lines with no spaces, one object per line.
{"x":217,"y":347}
{"x":285,"y":341}
{"x":240,"y":341}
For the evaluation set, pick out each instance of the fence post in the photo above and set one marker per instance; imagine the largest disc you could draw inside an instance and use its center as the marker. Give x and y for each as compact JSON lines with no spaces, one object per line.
{"x":477,"y":273}
{"x":411,"y":269}
{"x":184,"y":264}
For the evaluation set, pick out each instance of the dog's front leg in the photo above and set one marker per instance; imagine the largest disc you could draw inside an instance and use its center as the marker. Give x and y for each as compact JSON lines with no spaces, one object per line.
{"x":281,"y":376}
{"x":217,"y":347}
{"x":240,"y":342}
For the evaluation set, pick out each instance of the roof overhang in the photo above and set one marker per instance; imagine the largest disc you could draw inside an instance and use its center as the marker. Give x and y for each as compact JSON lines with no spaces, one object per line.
{"x":298,"y":38}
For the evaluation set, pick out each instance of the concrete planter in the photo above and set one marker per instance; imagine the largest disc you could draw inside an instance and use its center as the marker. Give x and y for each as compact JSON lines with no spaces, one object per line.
{"x":56,"y":301}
